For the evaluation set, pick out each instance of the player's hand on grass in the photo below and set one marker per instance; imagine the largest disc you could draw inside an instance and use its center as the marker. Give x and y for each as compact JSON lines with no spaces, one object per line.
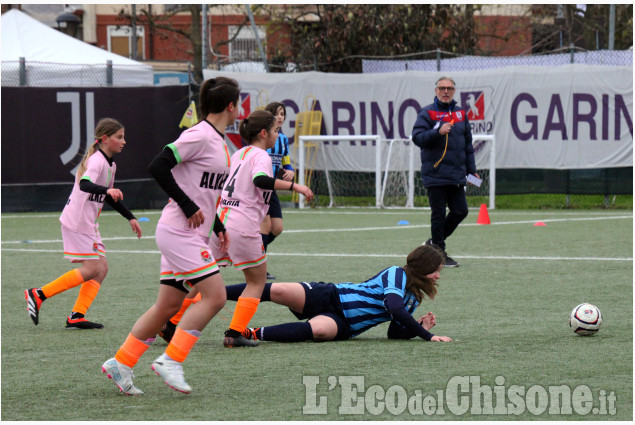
{"x":135,"y":227}
{"x":196,"y":219}
{"x":438,"y":338}
{"x":428,"y":321}
{"x":115,"y":194}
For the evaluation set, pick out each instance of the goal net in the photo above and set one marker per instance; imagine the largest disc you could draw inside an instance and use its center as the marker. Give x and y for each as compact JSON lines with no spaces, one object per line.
{"x":367,"y":171}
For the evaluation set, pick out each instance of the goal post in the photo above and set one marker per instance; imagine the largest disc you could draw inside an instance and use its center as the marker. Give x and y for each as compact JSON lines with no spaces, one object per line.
{"x":400,"y":163}
{"x":368,"y":171}
{"x":308,"y":147}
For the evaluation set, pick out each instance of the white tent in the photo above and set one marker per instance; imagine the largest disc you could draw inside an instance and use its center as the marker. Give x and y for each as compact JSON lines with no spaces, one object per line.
{"x":54,"y":59}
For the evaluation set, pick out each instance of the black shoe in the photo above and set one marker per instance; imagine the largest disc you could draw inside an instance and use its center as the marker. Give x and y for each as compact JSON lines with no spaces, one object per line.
{"x":269,"y":277}
{"x":237,"y":341}
{"x":167,"y":331}
{"x":82,"y":323}
{"x":449,"y":261}
{"x":33,"y":304}
{"x":432,"y":244}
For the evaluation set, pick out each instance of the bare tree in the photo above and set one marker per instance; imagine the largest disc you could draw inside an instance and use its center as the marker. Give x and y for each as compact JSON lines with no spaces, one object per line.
{"x":164,"y":26}
{"x":333,"y":37}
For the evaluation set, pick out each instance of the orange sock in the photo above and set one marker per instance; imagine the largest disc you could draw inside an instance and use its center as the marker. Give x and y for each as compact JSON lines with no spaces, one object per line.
{"x":63,"y":283}
{"x":180,"y":345}
{"x":186,"y":304}
{"x":245,"y":309}
{"x":87,"y":294}
{"x":131,"y":350}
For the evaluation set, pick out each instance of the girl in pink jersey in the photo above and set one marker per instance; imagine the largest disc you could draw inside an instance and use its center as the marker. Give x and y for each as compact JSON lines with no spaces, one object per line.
{"x":80,"y":230}
{"x":192,"y":170}
{"x":244,"y":204}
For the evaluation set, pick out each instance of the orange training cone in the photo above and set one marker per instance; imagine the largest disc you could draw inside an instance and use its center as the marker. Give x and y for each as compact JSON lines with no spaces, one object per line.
{"x":483,"y":216}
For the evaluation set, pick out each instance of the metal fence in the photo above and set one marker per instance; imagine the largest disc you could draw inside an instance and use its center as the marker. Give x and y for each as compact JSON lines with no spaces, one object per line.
{"x":438,"y":60}
{"x":25,"y":73}
{"x":445,"y":61}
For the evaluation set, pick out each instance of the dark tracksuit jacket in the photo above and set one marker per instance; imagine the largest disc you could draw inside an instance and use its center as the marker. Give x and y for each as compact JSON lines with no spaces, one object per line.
{"x":459,"y":158}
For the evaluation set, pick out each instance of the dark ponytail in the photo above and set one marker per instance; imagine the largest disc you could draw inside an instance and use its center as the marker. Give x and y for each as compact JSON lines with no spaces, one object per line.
{"x":216,"y":94}
{"x":257,"y":121}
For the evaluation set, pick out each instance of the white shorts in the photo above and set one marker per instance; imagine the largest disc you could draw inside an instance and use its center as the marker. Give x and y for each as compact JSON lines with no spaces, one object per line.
{"x":79,"y":247}
{"x":245,"y":250}
{"x":184,"y":254}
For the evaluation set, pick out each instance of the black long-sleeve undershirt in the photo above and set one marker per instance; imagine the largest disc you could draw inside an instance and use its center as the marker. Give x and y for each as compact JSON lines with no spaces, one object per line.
{"x":265,"y":182}
{"x":161,"y":169}
{"x":403,"y":325}
{"x":86,"y":185}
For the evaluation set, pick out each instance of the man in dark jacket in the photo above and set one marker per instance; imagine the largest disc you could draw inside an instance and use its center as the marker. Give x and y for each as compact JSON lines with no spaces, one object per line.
{"x":442,"y":131}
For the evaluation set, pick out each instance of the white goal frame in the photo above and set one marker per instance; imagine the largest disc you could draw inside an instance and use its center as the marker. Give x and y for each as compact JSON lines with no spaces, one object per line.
{"x":382,"y":160}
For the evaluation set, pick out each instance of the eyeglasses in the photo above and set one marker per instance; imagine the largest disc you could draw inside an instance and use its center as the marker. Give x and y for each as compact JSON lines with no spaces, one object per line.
{"x":445,"y":88}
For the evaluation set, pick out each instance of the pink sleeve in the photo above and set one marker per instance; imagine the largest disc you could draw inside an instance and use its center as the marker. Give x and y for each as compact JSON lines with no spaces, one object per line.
{"x":93,"y":168}
{"x":189,"y":145}
{"x":261,"y":163}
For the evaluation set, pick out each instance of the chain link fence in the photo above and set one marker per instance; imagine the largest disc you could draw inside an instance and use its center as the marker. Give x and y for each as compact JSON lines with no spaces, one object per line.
{"x":445,"y":61}
{"x":25,"y":73}
{"x":436,"y":61}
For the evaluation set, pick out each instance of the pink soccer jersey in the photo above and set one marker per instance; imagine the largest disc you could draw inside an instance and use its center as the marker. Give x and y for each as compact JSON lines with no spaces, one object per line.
{"x":243,"y":205}
{"x":82,"y":208}
{"x":202,"y":166}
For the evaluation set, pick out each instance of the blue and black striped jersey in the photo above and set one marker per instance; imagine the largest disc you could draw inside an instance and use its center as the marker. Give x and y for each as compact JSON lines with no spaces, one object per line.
{"x":280,"y":154}
{"x":363,"y":303}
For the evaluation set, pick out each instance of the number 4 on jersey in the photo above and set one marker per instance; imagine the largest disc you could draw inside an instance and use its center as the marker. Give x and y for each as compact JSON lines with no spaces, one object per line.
{"x":230,"y":185}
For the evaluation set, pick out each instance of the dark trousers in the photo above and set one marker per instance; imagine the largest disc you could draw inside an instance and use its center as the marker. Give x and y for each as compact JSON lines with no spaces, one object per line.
{"x":442,"y":226}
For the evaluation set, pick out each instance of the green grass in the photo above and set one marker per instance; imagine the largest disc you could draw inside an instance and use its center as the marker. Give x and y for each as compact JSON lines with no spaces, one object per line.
{"x":506,"y":306}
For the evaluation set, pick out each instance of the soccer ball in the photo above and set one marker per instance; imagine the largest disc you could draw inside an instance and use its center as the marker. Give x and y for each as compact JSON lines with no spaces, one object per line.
{"x":585,"y":319}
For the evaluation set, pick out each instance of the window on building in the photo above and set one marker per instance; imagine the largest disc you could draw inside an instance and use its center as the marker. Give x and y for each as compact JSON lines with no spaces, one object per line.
{"x":120,"y":41}
{"x":245,"y":47}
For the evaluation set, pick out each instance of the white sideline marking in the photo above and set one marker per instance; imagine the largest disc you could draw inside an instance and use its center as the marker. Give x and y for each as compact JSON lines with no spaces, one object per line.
{"x":338,"y":212}
{"x":419,"y":226}
{"x":365,"y":229}
{"x":303,"y":254}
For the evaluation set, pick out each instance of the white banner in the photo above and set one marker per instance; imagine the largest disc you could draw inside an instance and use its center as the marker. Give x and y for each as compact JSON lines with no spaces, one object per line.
{"x":571,"y":116}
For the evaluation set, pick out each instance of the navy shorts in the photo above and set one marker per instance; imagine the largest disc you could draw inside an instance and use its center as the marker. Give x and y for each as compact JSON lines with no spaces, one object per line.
{"x":322,"y":299}
{"x":186,"y":285}
{"x":275,"y":211}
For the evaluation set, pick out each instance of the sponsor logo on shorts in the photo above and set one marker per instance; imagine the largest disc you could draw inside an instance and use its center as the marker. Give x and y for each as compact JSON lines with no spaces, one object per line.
{"x":95,"y":247}
{"x":205,"y":255}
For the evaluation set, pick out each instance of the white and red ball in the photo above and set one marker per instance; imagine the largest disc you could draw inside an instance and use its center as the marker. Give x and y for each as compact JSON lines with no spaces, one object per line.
{"x":585,"y":319}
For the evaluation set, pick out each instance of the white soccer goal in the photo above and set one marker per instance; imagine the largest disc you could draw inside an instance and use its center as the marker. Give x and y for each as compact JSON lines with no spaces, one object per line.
{"x":366,"y":170}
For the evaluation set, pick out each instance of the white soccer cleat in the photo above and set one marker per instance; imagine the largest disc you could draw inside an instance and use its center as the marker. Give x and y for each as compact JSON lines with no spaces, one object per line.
{"x":121,"y":375}
{"x":172,"y":373}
